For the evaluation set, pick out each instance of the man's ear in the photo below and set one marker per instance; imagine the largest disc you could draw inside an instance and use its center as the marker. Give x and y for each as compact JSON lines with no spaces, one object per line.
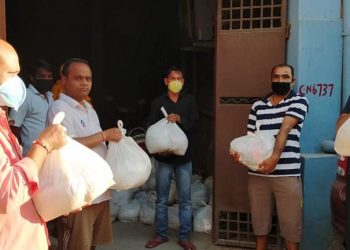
{"x":63,"y":80}
{"x":292,"y":83}
{"x":166,"y":81}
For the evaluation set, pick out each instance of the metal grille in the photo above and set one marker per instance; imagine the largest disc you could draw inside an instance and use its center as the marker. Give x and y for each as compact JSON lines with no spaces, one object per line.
{"x":251,"y":14}
{"x":235,"y":228}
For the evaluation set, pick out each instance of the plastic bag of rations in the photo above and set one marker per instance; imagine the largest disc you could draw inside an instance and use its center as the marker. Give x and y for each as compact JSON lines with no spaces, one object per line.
{"x":253,"y":148}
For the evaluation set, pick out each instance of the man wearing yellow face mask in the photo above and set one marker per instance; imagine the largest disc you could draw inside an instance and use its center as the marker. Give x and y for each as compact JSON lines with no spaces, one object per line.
{"x":182,"y":109}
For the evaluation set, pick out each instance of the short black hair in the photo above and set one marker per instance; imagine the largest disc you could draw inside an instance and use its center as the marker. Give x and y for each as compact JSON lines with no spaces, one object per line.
{"x":283,"y":65}
{"x":69,"y":62}
{"x":176,"y":69}
{"x":37,"y":64}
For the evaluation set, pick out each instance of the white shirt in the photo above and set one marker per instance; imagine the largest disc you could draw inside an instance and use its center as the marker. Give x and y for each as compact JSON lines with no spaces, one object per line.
{"x":30,"y":117}
{"x":80,"y":121}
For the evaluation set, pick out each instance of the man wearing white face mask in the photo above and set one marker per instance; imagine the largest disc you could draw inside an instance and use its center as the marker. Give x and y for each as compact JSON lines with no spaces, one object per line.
{"x":20,"y":224}
{"x":182,"y":109}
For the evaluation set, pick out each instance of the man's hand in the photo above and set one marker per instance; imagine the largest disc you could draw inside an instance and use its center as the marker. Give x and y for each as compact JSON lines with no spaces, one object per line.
{"x":235,"y":156}
{"x":112,"y":134}
{"x":54,"y":137}
{"x":267,"y":166}
{"x":174,"y":118}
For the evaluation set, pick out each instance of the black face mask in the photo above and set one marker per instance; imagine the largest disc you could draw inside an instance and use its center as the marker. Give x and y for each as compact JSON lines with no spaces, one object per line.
{"x":280,"y":88}
{"x":43,"y":85}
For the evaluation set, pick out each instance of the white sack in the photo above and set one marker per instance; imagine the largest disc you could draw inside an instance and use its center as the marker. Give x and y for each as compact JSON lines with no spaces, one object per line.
{"x":121,"y":197}
{"x":129,"y":212}
{"x":148,"y":209}
{"x":70,"y":178}
{"x":342,"y":139}
{"x":130,"y":164}
{"x":253,"y":148}
{"x":166,"y":136}
{"x":113,"y":210}
{"x":202,"y":221}
{"x":199,"y":195}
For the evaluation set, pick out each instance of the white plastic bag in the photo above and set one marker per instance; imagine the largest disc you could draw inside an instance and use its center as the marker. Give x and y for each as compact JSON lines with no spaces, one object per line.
{"x":148,"y":208}
{"x":113,"y":211}
{"x":202,"y":221}
{"x":129,"y":212}
{"x":199,"y":195}
{"x":70,"y":178}
{"x":253,"y":148}
{"x":166,"y":136}
{"x":121,"y":197}
{"x":130,"y":164}
{"x":342,"y":139}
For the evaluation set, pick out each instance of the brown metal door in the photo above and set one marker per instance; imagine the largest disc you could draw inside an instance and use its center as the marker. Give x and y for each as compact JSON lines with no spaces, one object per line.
{"x":2,"y":20}
{"x":251,"y":38}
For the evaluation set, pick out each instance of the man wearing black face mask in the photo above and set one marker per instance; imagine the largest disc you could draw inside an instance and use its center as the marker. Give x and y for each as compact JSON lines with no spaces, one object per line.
{"x":278,"y":177}
{"x":29,"y":120}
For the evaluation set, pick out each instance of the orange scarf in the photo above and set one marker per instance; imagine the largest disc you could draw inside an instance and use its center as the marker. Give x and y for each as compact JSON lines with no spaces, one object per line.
{"x":58,"y":88}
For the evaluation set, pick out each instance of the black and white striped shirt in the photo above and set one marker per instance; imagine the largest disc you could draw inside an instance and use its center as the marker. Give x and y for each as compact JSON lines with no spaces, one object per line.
{"x":270,"y":118}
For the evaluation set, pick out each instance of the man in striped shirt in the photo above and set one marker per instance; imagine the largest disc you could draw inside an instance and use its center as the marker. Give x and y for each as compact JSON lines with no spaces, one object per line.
{"x":278,"y":177}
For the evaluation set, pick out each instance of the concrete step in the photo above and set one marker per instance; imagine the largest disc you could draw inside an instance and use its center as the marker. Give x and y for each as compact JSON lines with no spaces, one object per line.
{"x":133,"y":236}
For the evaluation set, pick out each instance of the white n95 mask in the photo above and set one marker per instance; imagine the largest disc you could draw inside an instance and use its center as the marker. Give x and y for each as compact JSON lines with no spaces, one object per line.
{"x":12,"y":92}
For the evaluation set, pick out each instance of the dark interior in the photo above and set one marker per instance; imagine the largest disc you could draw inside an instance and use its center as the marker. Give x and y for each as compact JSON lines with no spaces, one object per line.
{"x":129,"y":45}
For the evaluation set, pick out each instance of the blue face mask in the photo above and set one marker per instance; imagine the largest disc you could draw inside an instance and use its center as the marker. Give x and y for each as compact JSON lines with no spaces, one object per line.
{"x":12,"y":92}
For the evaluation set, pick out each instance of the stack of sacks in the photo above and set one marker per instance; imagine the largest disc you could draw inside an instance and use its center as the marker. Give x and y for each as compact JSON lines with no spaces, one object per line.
{"x":129,"y":212}
{"x":199,"y":195}
{"x":119,"y":198}
{"x":202,"y":220}
{"x":148,"y":208}
{"x":209,"y":186}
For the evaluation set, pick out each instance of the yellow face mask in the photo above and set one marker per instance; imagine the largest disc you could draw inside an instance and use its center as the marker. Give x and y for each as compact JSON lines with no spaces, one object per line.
{"x":175,"y":86}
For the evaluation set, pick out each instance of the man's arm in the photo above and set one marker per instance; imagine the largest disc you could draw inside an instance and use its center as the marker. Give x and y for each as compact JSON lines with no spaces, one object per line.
{"x":17,"y":132}
{"x":19,"y":181}
{"x":186,"y":123}
{"x":16,"y":119}
{"x":112,"y":134}
{"x":153,"y":115}
{"x":269,"y":165}
{"x":344,"y":115}
{"x":341,"y":120}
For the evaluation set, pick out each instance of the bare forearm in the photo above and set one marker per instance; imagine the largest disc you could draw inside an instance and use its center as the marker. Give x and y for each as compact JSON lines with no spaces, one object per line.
{"x":282,"y":136}
{"x":92,"y":140}
{"x":281,"y":140}
{"x":342,"y":119}
{"x":38,"y":154}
